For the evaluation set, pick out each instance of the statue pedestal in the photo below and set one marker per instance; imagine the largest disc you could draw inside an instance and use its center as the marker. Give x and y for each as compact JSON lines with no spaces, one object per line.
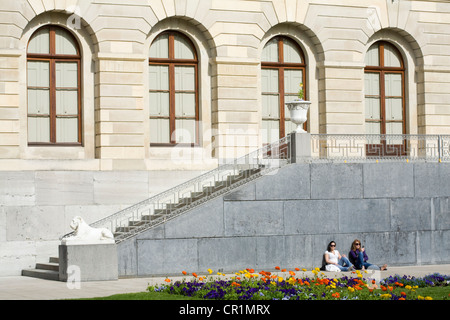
{"x":83,"y":261}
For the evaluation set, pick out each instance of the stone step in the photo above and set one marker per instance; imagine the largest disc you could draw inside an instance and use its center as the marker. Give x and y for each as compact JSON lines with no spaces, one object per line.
{"x":47,"y":271}
{"x":41,"y":274}
{"x":48,"y":266}
{"x":54,"y":260}
{"x":147,"y":218}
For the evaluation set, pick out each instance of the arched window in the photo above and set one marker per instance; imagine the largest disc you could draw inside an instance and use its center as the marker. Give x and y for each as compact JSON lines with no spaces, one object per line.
{"x":173,"y":90}
{"x":54,"y":90}
{"x":283,"y":70}
{"x":384,"y":92}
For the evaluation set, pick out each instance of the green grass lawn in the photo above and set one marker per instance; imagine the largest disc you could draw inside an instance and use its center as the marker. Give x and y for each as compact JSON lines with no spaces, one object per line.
{"x":437,"y":293}
{"x":143,"y":296}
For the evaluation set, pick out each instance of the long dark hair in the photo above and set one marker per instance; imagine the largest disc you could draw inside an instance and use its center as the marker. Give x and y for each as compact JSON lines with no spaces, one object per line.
{"x":329,"y":246}
{"x":353,"y":247}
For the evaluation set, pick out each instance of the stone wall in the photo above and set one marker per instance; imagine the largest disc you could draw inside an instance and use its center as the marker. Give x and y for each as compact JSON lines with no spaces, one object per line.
{"x":400,"y":211}
{"x":36,"y":207}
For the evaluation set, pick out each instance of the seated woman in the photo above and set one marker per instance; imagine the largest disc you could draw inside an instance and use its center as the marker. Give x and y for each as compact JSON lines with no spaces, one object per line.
{"x":359,"y":258}
{"x":334,"y":261}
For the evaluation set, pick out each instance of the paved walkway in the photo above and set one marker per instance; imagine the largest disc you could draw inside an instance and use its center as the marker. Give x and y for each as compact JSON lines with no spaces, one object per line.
{"x":27,"y":288}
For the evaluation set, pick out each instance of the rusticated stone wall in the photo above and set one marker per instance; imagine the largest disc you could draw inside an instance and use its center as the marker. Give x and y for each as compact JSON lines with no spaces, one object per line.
{"x":400,"y":211}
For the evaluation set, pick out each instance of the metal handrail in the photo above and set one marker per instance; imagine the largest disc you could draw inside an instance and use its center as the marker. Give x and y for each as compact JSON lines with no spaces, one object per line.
{"x":177,"y":200}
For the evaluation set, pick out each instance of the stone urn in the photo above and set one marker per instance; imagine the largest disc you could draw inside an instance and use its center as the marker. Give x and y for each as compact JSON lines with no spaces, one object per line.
{"x":298,"y":110}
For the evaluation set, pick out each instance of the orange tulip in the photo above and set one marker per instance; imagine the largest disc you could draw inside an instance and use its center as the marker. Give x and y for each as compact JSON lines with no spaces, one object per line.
{"x":184,"y":272}
{"x":194,"y":274}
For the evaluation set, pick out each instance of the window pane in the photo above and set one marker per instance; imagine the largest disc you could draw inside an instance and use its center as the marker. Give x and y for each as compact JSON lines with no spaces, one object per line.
{"x":66,"y":74}
{"x":270,"y":51}
{"x":40,"y":42}
{"x":372,"y":84}
{"x":185,"y":105}
{"x":290,"y":52}
{"x":66,"y":102}
{"x":372,"y":56}
{"x":372,"y":108}
{"x":394,"y":109}
{"x":391,"y":57}
{"x":184,"y":78}
{"x":183,"y":48}
{"x":292,"y":80}
{"x":38,"y":74}
{"x":158,"y":77}
{"x":185,"y":131}
{"x":393,"y":84}
{"x":64,"y":42}
{"x":159,"y":131}
{"x":66,"y":130}
{"x":271,"y":131}
{"x":270,"y":106}
{"x":269,"y":80}
{"x":159,"y":104}
{"x":38,"y":101}
{"x":160,"y":47}
{"x":372,"y":95}
{"x":38,"y":129}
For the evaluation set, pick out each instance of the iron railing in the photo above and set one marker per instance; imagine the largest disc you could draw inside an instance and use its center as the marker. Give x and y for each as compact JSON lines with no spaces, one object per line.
{"x":379,"y":147}
{"x":176,"y":201}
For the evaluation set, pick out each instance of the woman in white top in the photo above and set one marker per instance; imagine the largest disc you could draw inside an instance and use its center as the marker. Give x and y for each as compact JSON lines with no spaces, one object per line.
{"x":334,"y":261}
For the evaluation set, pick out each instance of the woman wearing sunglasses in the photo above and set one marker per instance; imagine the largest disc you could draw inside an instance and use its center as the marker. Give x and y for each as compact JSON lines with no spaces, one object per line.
{"x":334,"y":261}
{"x":359,"y":258}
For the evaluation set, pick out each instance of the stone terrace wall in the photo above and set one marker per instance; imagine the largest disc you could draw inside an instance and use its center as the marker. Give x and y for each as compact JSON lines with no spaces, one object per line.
{"x":36,"y":207}
{"x":400,"y":211}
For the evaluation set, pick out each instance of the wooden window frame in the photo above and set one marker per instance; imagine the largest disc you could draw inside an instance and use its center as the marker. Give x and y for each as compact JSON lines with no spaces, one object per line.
{"x":52,"y":58}
{"x":383,"y":148}
{"x":171,"y":62}
{"x":281,"y":66}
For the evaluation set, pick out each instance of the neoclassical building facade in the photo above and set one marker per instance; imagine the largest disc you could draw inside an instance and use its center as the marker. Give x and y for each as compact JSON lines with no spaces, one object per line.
{"x":124,"y":83}
{"x":179,"y":85}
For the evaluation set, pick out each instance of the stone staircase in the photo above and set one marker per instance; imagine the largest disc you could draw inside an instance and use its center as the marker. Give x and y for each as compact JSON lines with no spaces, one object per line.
{"x":183,"y":204}
{"x":158,"y":209}
{"x":47,"y":271}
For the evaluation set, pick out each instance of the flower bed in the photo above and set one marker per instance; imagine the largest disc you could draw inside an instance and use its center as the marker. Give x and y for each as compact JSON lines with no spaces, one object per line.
{"x":296,"y":285}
